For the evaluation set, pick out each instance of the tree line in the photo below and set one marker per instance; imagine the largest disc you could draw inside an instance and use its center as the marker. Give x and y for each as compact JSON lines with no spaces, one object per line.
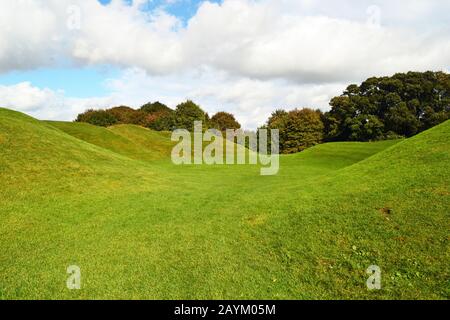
{"x":157,"y":116}
{"x":379,"y":108}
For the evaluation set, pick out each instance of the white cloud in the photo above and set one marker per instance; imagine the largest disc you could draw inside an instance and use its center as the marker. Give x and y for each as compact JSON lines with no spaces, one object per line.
{"x":125,"y":36}
{"x":28,"y":35}
{"x":250,"y":100}
{"x":304,"y":41}
{"x":243,"y":56}
{"x":257,"y":39}
{"x":26,"y":97}
{"x":45,"y":103}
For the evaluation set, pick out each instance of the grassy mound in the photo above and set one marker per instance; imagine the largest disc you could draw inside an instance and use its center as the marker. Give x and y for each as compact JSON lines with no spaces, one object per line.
{"x":74,"y":194}
{"x":128,"y":140}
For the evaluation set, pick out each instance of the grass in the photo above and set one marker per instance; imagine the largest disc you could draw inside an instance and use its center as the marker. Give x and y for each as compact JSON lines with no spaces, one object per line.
{"x":111,"y":202}
{"x":132,"y":141}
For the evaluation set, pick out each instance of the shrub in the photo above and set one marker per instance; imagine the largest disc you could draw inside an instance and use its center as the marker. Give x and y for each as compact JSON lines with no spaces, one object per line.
{"x":98,"y":118}
{"x":127,"y":115}
{"x":223,"y":121}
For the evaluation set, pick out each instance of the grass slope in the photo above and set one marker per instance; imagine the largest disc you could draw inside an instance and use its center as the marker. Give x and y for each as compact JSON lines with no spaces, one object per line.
{"x":76,"y":194}
{"x":128,"y":140}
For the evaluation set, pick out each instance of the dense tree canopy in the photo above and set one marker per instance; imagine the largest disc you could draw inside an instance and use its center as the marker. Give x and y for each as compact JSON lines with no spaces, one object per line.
{"x":223,"y":121}
{"x":98,"y":118}
{"x":386,"y":107}
{"x":127,"y":115}
{"x":156,"y":116}
{"x":160,"y":117}
{"x":116,"y":115}
{"x":155,"y":107}
{"x":187,"y":113}
{"x":161,"y":121}
{"x":298,"y":129}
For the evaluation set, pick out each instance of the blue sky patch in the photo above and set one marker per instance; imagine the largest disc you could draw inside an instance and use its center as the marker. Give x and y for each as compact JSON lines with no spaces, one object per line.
{"x":75,"y":82}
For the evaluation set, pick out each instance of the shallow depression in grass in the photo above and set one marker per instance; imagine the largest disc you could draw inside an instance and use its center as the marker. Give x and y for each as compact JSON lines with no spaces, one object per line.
{"x":110,"y":201}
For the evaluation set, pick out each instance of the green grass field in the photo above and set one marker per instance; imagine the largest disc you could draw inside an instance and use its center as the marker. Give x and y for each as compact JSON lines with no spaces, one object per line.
{"x":139,"y":227}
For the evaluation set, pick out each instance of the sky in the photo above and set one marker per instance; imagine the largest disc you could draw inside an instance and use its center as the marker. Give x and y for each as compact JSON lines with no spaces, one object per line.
{"x":248,"y":57}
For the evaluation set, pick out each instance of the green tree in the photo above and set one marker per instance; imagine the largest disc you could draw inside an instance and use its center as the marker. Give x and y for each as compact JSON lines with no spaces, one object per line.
{"x":278,"y":120}
{"x":223,"y":121}
{"x":401,"y":105}
{"x":430,"y":117}
{"x":401,"y":120}
{"x":155,"y":107}
{"x":187,"y":113}
{"x":298,"y":129}
{"x":98,"y":118}
{"x":162,"y":121}
{"x":365,"y":127}
{"x":304,"y":130}
{"x":337,"y":120}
